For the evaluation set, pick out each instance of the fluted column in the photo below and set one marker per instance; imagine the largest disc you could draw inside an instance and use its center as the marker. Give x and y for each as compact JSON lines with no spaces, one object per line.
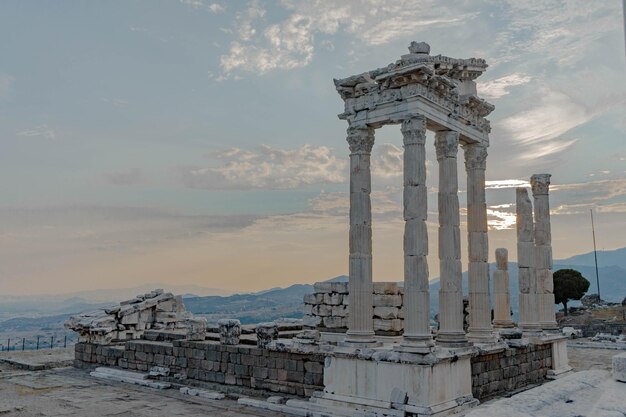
{"x":528,"y":307}
{"x":360,"y":324}
{"x":501,"y":295}
{"x":540,"y":184}
{"x":480,"y":329}
{"x":450,"y":292}
{"x":417,"y":336}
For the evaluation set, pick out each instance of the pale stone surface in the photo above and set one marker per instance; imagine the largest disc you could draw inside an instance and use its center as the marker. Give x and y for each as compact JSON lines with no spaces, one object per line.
{"x":419,"y":83}
{"x":450,"y":293}
{"x":266,"y":333}
{"x":540,"y":184}
{"x":416,"y":293}
{"x":528,"y":304}
{"x":433,"y":384}
{"x":230,"y":331}
{"x":587,"y":393}
{"x":619,"y":367}
{"x":501,"y":295}
{"x":360,"y":325}
{"x":480,"y":330}
{"x":196,"y":328}
{"x":129,"y":319}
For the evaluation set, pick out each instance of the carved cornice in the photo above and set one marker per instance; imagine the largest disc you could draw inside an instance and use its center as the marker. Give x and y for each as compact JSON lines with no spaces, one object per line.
{"x":446,"y":144}
{"x":438,"y":79}
{"x":360,"y":140}
{"x":475,"y":156}
{"x":414,"y":131}
{"x":540,"y":184}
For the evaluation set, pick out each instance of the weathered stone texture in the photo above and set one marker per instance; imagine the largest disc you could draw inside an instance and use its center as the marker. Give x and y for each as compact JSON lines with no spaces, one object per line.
{"x":498,"y":373}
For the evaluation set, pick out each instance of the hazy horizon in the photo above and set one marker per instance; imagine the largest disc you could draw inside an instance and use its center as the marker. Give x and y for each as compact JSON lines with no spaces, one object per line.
{"x":197,"y":142}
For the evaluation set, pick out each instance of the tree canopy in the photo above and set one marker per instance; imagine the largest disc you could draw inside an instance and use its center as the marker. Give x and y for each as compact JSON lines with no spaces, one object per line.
{"x":569,"y":284}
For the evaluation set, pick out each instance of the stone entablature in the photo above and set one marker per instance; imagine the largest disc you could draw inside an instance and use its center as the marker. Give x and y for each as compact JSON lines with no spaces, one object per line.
{"x":438,"y":87}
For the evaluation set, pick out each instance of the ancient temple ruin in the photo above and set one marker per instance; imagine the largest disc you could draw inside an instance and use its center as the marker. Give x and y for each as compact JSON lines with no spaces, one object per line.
{"x":367,"y":347}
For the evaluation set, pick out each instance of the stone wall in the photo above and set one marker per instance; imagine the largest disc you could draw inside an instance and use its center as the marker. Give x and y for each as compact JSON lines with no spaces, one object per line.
{"x":244,"y":366}
{"x":327,"y":308}
{"x":510,"y":370}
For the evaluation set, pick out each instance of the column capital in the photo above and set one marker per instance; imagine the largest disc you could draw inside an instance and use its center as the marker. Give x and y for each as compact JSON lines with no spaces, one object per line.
{"x":446,"y":144}
{"x":540,"y":184}
{"x":414,"y":130}
{"x":360,"y":140}
{"x":475,"y":156}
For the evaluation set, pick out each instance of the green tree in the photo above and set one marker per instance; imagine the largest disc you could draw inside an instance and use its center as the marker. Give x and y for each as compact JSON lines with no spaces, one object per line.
{"x":569,"y":284}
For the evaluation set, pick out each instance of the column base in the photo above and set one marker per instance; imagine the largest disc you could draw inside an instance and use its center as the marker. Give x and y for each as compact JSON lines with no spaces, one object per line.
{"x":360,"y":339}
{"x":452,"y":339}
{"x":481,"y":336}
{"x":549,"y":327}
{"x":416,"y":344}
{"x":503,"y":324}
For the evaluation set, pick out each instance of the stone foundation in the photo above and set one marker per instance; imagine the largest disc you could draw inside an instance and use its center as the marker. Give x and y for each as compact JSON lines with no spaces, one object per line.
{"x":210,"y":362}
{"x":495,"y":374}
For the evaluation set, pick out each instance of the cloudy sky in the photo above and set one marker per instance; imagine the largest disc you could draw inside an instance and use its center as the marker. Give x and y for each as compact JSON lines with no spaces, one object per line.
{"x":197,"y":142}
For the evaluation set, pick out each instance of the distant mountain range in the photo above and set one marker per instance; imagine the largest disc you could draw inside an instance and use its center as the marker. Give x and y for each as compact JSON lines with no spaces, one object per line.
{"x":270,"y":304}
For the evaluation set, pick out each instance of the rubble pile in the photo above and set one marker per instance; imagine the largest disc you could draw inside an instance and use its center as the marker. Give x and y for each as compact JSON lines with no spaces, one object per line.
{"x":128,"y":320}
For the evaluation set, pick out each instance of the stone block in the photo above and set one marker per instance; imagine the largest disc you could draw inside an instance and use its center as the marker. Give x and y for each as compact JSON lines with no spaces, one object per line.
{"x":333,"y":299}
{"x":334,"y":322}
{"x":394,"y":325}
{"x":323,"y":287}
{"x":266,"y":333}
{"x":619,"y":367}
{"x":390,"y":288}
{"x":230,"y":331}
{"x":339,"y":287}
{"x":386,"y":312}
{"x":310,"y":299}
{"x":340,"y":311}
{"x":311,"y":321}
{"x":322,"y":310}
{"x":386,"y":300}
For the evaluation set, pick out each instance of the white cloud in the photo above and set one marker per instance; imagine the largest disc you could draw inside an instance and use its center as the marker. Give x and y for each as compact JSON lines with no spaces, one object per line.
{"x":216,"y":7}
{"x":539,"y":131}
{"x":271,"y":168}
{"x":260,"y":47}
{"x":42,"y":131}
{"x":497,"y":88}
{"x":499,"y":184}
{"x":267,"y":167}
{"x":501,"y":217}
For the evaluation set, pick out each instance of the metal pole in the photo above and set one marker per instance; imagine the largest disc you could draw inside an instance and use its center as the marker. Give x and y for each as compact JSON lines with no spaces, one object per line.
{"x":51,"y":341}
{"x":9,"y":345}
{"x":65,"y":341}
{"x":38,"y":342}
{"x":595,"y":253}
{"x":23,"y":343}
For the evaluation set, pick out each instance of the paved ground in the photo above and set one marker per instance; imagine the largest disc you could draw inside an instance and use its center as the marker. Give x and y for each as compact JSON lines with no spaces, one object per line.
{"x":36,"y":360}
{"x":72,"y":392}
{"x":585,"y":358}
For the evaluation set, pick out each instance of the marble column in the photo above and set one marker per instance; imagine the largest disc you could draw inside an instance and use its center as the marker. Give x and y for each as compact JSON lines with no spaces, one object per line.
{"x":528,"y":307}
{"x":360,"y":323}
{"x":417,"y":336}
{"x":480,"y":329}
{"x":540,"y":184}
{"x":450,"y":292}
{"x":501,"y":295}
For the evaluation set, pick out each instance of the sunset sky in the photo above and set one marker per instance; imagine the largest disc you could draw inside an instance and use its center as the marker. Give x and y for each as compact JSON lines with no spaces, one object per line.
{"x":197,"y":142}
